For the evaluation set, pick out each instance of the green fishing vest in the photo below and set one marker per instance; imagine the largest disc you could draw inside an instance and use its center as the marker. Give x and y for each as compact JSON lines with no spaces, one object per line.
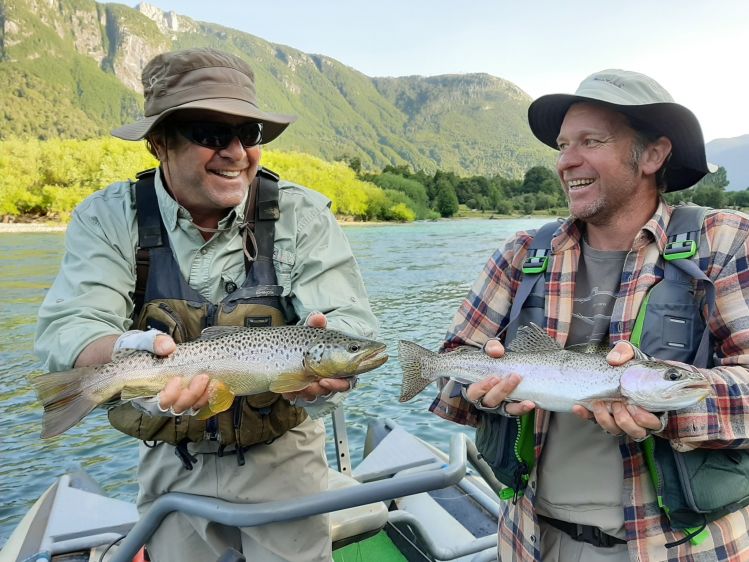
{"x":694,"y":487}
{"x":164,"y":300}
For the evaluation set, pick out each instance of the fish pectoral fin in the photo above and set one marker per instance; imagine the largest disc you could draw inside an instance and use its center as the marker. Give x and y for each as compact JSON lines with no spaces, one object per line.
{"x":137,"y":390}
{"x":292,"y":382}
{"x":221,"y":397}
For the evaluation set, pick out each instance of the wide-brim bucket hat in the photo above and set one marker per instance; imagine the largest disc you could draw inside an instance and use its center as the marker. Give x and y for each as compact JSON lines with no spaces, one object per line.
{"x":646,"y":102}
{"x":200,"y":79}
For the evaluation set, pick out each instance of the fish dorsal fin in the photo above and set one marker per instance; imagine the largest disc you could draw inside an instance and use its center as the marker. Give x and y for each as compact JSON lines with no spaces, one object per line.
{"x":532,"y":339}
{"x":598,"y":348}
{"x":213,"y":332}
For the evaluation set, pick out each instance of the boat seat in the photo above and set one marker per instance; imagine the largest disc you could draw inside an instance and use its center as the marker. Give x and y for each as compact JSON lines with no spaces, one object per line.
{"x":354,"y":521}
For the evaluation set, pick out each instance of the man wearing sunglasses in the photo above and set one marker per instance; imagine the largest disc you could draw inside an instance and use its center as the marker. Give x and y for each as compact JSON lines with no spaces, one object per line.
{"x":209,"y":238}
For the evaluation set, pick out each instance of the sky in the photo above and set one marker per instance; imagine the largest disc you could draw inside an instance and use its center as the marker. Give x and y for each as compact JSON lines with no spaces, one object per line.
{"x":697,"y":49}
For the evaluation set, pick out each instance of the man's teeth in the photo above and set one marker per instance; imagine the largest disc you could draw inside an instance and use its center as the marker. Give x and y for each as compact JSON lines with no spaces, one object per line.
{"x":573,"y":184}
{"x":227,"y":173}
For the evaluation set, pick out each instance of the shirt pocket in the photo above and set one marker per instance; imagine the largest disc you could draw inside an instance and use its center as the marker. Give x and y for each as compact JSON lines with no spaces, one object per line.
{"x":232,"y":278}
{"x":283,"y":262}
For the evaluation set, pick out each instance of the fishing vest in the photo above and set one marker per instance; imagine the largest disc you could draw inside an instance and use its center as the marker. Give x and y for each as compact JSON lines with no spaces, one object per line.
{"x":693,"y":488}
{"x":165,"y":301}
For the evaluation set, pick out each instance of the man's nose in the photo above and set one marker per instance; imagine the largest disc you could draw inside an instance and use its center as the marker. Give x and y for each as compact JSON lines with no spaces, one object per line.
{"x":569,"y":158}
{"x":234,"y":150}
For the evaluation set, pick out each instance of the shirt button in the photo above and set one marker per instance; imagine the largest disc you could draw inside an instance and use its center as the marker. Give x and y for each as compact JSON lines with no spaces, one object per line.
{"x":533,"y":538}
{"x":203,"y":251}
{"x":533,"y":484}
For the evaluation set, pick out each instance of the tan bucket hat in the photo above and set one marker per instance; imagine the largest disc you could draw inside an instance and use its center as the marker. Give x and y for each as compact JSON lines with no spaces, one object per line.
{"x":643,"y":99}
{"x":200,"y":79}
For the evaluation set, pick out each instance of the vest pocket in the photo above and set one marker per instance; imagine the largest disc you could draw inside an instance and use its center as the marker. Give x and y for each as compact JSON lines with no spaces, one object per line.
{"x":495,"y":439}
{"x":161,"y":316}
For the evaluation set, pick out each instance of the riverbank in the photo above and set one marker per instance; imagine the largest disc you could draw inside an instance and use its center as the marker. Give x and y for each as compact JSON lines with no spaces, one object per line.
{"x":16,"y":227}
{"x":12,"y":227}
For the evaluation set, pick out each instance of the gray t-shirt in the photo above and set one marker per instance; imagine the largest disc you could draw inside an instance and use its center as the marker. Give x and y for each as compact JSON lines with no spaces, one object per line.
{"x":580,"y":475}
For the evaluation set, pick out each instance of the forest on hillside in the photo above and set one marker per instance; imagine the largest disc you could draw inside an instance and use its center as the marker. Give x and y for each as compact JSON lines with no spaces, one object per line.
{"x":47,"y":179}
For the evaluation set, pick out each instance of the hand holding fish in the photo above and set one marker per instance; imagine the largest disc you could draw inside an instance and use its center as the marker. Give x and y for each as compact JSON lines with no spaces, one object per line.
{"x":558,"y":379}
{"x":239,"y":361}
{"x":177,"y":396}
{"x":617,"y":418}
{"x":492,"y":391}
{"x":324,"y":386}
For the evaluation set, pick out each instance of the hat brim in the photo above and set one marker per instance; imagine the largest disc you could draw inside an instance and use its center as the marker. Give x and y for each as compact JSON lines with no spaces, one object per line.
{"x":273,"y":123}
{"x":688,"y":163}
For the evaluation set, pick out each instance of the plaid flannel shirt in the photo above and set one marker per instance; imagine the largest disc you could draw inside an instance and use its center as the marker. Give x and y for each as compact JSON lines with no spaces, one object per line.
{"x":721,"y":421}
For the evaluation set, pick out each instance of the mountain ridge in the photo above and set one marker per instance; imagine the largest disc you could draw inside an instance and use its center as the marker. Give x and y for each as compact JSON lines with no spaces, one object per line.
{"x":74,"y":67}
{"x":89,"y":56}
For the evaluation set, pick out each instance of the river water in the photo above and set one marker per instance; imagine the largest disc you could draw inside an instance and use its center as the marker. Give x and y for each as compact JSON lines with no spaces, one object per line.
{"x":416,"y":275}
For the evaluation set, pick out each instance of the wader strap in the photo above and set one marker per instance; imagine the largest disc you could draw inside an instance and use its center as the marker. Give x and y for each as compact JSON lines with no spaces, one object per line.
{"x":683,"y":232}
{"x":534,"y":266}
{"x":150,"y":232}
{"x":260,"y":226}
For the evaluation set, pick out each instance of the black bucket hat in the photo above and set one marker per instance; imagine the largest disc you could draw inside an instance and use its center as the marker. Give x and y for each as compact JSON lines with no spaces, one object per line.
{"x":200,"y":79}
{"x":642,"y":99}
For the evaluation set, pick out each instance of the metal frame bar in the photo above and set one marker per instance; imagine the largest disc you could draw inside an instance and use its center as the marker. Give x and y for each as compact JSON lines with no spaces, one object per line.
{"x":251,"y":515}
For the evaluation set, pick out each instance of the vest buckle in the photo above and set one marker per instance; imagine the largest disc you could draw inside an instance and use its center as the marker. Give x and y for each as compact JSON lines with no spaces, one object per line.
{"x":679,"y":250}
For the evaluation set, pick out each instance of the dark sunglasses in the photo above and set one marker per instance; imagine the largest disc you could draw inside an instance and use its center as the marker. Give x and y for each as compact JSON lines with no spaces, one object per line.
{"x":219,"y":135}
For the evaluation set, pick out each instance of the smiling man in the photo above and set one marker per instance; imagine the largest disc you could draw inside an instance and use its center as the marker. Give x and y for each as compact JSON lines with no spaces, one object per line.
{"x":208,"y":238}
{"x":614,"y":482}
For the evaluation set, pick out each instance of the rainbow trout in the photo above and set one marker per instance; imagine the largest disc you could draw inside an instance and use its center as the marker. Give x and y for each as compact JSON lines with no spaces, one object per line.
{"x":555,"y":378}
{"x":240,"y":361}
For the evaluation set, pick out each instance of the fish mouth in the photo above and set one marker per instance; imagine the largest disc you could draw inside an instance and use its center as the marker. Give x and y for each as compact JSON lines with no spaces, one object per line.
{"x":373,"y":358}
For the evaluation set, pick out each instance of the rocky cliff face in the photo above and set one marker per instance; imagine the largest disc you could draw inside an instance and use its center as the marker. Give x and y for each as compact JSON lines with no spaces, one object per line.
{"x":81,"y":64}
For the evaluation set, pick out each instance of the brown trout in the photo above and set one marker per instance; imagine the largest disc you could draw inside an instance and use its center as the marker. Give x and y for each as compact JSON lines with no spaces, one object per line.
{"x":240,"y":361}
{"x":555,"y":378}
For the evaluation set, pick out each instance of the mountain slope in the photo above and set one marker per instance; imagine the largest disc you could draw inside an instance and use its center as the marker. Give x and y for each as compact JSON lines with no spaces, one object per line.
{"x":75,"y":66}
{"x":733,"y":155}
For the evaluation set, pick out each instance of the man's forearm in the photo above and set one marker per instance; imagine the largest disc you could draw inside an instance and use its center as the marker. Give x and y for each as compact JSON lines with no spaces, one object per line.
{"x":97,"y":352}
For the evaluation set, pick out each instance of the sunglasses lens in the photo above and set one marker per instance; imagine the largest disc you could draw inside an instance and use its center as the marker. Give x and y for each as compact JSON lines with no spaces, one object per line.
{"x":220,"y":135}
{"x":250,"y":134}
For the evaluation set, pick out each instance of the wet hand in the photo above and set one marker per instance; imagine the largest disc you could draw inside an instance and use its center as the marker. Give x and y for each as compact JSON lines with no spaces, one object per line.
{"x":324,"y":387}
{"x":153,"y":341}
{"x":618,"y":418}
{"x":620,"y":354}
{"x":179,"y":397}
{"x":316,"y":320}
{"x":494,"y":390}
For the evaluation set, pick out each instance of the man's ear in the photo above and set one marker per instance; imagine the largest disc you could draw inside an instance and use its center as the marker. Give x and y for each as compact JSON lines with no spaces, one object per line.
{"x":655,"y":155}
{"x":157,"y":147}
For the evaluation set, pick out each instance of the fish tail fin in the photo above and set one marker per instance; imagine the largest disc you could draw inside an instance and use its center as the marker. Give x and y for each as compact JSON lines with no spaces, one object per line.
{"x":64,"y":397}
{"x":415,"y":377}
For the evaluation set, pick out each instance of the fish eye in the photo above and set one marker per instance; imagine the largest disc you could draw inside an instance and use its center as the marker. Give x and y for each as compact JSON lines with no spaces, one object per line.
{"x":353,"y":347}
{"x":673,"y":375}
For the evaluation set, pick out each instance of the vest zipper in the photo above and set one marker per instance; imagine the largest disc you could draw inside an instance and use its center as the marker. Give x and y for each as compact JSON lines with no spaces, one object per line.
{"x":520,"y":476}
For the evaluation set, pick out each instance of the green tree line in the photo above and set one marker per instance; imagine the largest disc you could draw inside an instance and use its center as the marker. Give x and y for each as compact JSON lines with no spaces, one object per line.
{"x":49,"y":178}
